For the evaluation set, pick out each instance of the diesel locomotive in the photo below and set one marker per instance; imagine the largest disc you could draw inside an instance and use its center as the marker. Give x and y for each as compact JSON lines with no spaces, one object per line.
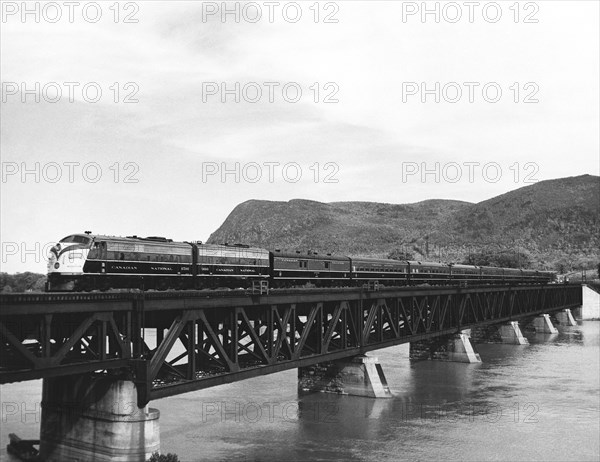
{"x":84,"y":262}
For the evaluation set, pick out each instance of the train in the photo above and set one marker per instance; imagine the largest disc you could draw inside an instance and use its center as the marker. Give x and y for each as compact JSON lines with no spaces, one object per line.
{"x":86,"y":262}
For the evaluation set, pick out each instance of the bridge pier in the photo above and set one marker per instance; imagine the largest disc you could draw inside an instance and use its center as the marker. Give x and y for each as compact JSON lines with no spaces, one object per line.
{"x":511,"y":333}
{"x":95,"y":419}
{"x":360,"y":375}
{"x":565,"y":318}
{"x":507,"y":333}
{"x":543,"y":325}
{"x":456,"y":347}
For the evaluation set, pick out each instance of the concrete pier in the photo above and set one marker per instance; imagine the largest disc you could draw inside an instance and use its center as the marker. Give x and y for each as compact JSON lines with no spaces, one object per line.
{"x":511,"y":333}
{"x":87,"y":418}
{"x":507,"y":333}
{"x":590,"y":308}
{"x":357,"y":376}
{"x":565,"y":318}
{"x":543,"y":325}
{"x":457,"y":348}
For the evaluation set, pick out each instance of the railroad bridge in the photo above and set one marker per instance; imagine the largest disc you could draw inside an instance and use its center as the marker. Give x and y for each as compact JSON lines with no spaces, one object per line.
{"x":105,"y":356}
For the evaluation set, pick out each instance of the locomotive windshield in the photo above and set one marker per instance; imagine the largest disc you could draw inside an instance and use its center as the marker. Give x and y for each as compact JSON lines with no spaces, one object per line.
{"x":77,"y":238}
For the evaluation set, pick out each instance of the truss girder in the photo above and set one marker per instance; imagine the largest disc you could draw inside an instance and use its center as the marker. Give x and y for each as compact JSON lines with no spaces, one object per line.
{"x":203,"y":341}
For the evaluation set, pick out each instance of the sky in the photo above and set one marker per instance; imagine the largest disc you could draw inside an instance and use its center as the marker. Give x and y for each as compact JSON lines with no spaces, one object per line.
{"x":157,"y":118}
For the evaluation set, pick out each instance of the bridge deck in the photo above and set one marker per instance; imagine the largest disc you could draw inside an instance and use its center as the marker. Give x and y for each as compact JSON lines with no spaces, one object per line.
{"x":172,"y":342}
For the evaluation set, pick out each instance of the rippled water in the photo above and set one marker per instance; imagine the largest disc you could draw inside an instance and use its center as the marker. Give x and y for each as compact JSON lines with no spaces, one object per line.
{"x":535,"y":402}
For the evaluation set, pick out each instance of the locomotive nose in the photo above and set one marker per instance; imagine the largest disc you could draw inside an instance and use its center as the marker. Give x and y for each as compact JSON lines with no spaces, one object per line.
{"x":54,"y":250}
{"x":52,"y":256}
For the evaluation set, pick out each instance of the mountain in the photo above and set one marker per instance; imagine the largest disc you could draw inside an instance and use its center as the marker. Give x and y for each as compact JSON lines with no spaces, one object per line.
{"x":550,"y":223}
{"x":340,"y":227}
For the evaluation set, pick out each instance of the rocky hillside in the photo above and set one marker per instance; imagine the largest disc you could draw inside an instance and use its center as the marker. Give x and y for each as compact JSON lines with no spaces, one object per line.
{"x":552,"y":223}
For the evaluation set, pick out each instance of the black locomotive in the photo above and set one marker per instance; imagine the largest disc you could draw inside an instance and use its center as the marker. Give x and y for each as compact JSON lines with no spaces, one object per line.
{"x":97,"y":262}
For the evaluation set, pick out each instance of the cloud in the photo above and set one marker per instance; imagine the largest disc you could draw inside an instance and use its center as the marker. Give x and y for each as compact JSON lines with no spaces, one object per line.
{"x":369,"y":136}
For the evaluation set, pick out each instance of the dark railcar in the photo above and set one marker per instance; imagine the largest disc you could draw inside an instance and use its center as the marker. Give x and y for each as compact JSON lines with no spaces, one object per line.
{"x":295,"y":268}
{"x":387,"y":272}
{"x":465,"y":274}
{"x":491,"y":275}
{"x":428,"y":272}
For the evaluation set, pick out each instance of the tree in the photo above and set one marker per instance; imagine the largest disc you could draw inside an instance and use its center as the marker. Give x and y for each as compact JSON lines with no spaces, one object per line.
{"x":398,"y":254}
{"x":512,"y":260}
{"x":156,"y":457}
{"x":502,"y":259}
{"x":22,"y":282}
{"x":477,"y":259}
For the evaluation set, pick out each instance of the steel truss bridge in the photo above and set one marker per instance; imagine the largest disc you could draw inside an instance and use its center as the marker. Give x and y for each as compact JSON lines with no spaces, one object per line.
{"x":174,"y":342}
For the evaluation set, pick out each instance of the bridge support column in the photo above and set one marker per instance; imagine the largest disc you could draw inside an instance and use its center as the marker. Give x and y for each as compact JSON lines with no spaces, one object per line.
{"x":565,"y":318}
{"x":543,"y":325}
{"x":95,"y":419}
{"x":577,"y":312}
{"x":456,"y":347}
{"x":360,"y":375}
{"x":511,"y":333}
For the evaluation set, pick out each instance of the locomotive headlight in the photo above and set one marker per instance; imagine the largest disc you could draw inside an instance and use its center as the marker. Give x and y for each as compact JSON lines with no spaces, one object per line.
{"x":56,"y":265}
{"x":58,"y":247}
